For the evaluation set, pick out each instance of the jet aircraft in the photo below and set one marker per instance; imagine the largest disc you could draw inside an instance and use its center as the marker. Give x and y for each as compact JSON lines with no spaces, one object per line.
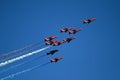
{"x":50,"y":38}
{"x":55,"y":59}
{"x":88,"y":20}
{"x":69,"y":39}
{"x":52,"y":52}
{"x":66,"y":29}
{"x":75,"y":31}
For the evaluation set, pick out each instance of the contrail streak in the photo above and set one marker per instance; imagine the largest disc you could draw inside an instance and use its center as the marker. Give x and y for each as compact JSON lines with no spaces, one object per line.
{"x":21,"y":53}
{"x":18,"y":50}
{"x":22,"y":57}
{"x":4,"y":70}
{"x":21,"y":72}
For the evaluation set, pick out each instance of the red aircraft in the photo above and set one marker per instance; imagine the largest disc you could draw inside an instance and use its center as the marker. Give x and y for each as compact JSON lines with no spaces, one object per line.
{"x":53,"y":41}
{"x":66,"y":29}
{"x":52,"y":52}
{"x":57,"y":43}
{"x":75,"y":31}
{"x":50,"y":38}
{"x":50,"y":42}
{"x":69,"y":39}
{"x":88,"y":20}
{"x":55,"y":59}
{"x":47,"y":43}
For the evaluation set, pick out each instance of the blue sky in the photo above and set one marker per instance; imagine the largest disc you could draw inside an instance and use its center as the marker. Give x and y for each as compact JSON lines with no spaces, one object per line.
{"x":94,"y":55}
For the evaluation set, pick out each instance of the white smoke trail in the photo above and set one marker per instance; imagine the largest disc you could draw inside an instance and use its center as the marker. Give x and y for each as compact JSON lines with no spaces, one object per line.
{"x":24,"y":71}
{"x":19,"y":50}
{"x":22,"y":57}
{"x":33,"y":48}
{"x":4,"y":70}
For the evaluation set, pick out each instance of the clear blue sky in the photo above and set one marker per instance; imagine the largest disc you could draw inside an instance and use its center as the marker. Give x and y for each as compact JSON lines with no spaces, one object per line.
{"x":94,"y":55}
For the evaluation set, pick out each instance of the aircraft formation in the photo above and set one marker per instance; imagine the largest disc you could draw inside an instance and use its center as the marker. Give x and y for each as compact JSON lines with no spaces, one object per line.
{"x":52,"y":39}
{"x":49,"y":41}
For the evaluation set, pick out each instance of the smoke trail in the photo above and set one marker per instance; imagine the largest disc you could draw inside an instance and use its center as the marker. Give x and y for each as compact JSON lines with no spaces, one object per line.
{"x":21,"y":53}
{"x":18,"y":50}
{"x":4,"y":70}
{"x":23,"y":56}
{"x":24,"y":71}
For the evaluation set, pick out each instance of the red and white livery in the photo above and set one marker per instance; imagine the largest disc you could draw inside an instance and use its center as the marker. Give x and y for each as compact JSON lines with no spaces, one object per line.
{"x":66,"y":29}
{"x":55,"y":59}
{"x":69,"y":39}
{"x":50,"y":38}
{"x":75,"y":31}
{"x":88,"y":20}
